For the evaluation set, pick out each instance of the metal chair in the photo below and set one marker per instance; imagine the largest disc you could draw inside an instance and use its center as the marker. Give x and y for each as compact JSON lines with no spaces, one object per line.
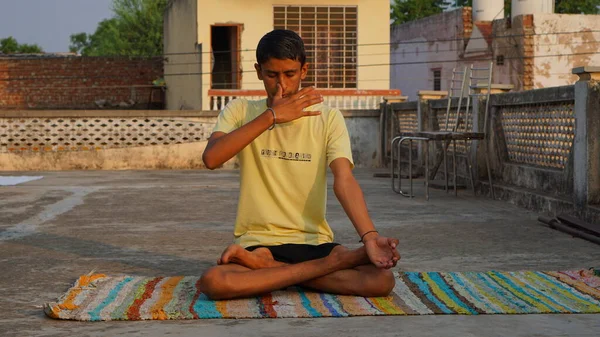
{"x":458,"y":76}
{"x":456,"y":134}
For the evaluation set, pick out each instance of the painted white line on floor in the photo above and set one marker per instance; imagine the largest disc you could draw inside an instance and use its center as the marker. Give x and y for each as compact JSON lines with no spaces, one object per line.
{"x":49,"y":213}
{"x":14,"y":180}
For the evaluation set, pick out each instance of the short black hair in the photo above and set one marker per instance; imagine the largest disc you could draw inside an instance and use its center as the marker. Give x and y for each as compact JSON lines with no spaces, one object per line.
{"x":281,"y":44}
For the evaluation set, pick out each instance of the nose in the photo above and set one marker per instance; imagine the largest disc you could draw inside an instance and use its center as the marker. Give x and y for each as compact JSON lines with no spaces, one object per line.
{"x":280,"y":80}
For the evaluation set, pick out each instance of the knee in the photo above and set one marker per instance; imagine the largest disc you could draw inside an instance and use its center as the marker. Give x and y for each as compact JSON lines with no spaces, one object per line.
{"x":381,"y":284}
{"x":388,"y":282}
{"x":212,"y":284}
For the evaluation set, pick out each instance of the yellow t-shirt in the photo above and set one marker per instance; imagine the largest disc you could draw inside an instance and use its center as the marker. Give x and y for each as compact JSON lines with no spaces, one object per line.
{"x":283,"y":182}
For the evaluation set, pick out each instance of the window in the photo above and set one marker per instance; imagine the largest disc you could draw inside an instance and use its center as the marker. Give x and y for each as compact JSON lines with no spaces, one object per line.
{"x":330,"y":37}
{"x":225,"y":58}
{"x":500,"y":60}
{"x":437,"y":79}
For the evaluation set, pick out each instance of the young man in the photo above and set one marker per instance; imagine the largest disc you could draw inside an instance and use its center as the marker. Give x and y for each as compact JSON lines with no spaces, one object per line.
{"x":285,"y":144}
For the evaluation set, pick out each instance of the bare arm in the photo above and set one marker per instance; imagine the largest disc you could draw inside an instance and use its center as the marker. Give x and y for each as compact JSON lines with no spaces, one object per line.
{"x":381,"y":250}
{"x":223,"y":146}
{"x":350,"y":195}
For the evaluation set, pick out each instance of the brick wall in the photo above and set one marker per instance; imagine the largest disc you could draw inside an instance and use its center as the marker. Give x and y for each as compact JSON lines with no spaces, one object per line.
{"x":41,"y":82}
{"x":467,"y":18}
{"x":528,"y":52}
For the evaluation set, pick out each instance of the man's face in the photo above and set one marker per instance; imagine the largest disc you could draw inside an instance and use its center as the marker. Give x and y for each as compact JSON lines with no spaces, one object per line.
{"x":288,"y":73}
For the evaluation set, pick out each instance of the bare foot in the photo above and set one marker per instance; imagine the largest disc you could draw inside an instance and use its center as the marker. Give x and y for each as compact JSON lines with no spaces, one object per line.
{"x":349,"y":258}
{"x":264,"y":259}
{"x":230,"y":253}
{"x":258,"y":259}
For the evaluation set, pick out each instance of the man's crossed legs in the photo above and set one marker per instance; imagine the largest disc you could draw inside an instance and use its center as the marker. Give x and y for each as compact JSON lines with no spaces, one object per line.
{"x":241,"y":273}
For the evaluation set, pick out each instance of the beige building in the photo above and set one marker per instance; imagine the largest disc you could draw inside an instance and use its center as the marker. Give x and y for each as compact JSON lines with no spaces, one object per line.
{"x":540,"y":50}
{"x":533,"y":49}
{"x":210,"y":47}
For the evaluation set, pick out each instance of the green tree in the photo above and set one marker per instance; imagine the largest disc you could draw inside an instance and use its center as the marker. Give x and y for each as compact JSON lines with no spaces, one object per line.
{"x":106,"y":41}
{"x":469,"y":3}
{"x":463,"y":3}
{"x":408,"y":10}
{"x":79,"y":42}
{"x":577,"y":6}
{"x":561,"y":6}
{"x":10,"y":45}
{"x":136,"y":29}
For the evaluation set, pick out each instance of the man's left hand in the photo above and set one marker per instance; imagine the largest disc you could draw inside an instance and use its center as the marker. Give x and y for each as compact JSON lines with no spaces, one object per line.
{"x":382,"y":251}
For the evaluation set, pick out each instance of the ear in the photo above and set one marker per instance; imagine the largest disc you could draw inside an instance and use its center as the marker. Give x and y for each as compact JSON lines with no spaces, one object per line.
{"x":304,"y":71}
{"x":258,"y":71}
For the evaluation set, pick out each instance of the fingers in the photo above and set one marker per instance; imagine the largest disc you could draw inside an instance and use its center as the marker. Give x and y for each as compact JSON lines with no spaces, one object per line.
{"x":309,"y":100}
{"x":279,"y":93}
{"x":394,"y":244}
{"x":384,"y":264}
{"x":388,"y":264}
{"x":313,"y":99}
{"x":303,"y":92}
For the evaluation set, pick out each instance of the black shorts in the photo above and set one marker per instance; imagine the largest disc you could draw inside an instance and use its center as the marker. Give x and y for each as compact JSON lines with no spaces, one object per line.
{"x":296,"y":253}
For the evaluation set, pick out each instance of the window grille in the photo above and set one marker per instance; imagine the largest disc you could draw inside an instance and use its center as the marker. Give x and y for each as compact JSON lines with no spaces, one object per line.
{"x":330,"y":38}
{"x":437,"y":80}
{"x":500,"y":60}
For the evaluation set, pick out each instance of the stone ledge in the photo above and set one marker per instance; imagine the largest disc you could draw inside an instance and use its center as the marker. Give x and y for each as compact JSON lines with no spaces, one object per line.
{"x":360,"y":113}
{"x":106,"y":113}
{"x":527,"y":198}
{"x":536,"y":201}
{"x":587,"y":73}
{"x":141,"y":113}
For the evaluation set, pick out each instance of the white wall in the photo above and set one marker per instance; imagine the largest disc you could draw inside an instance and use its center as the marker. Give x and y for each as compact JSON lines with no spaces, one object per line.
{"x":182,"y":72}
{"x":550,"y":70}
{"x":413,"y":62}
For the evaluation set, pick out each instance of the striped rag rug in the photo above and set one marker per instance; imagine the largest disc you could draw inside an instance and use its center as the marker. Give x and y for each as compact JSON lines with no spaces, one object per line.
{"x":101,"y":298}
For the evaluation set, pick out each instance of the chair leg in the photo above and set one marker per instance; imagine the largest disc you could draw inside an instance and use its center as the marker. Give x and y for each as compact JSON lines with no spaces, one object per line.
{"x":399,"y":191}
{"x":427,"y":170}
{"x":410,"y":178}
{"x":392,"y":161}
{"x":489,"y":171}
{"x":445,"y":167}
{"x":399,"y":146}
{"x":470,"y":167}
{"x":454,"y":166}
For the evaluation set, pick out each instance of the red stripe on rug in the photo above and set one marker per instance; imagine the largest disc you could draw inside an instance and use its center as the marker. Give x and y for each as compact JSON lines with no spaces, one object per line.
{"x":133,"y":313}
{"x":196,"y":295}
{"x":267,"y":309}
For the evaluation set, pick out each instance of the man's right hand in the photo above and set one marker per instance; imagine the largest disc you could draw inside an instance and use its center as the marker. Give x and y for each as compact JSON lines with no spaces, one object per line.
{"x":292,"y":107}
{"x":221,"y":146}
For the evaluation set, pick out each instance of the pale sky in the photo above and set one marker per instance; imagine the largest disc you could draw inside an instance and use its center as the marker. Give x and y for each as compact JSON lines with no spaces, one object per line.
{"x":50,"y":23}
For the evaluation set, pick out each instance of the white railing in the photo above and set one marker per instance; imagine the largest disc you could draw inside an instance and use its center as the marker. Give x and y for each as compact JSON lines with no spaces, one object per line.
{"x":343,"y":99}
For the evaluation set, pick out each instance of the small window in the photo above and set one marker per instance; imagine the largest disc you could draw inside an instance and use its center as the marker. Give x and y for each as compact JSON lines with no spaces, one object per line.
{"x":437,"y":79}
{"x":500,"y":60}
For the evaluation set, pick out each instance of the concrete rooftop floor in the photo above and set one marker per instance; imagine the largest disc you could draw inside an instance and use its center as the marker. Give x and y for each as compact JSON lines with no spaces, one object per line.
{"x":177,"y":222}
